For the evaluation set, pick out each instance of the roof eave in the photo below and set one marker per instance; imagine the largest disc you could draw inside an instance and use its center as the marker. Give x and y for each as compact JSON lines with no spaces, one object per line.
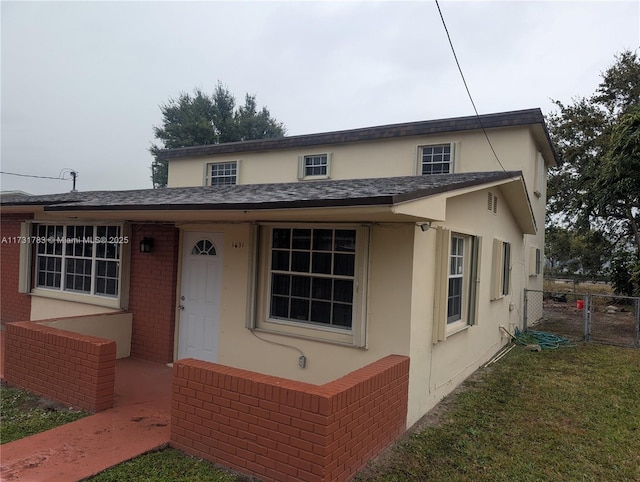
{"x":456,"y":124}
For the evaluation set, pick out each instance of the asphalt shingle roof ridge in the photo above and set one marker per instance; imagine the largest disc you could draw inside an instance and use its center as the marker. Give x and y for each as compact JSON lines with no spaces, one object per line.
{"x":320,"y":193}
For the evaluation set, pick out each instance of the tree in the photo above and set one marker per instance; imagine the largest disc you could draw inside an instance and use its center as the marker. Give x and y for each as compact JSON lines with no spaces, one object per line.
{"x":570,"y":252}
{"x":201,"y":119}
{"x":597,"y":185}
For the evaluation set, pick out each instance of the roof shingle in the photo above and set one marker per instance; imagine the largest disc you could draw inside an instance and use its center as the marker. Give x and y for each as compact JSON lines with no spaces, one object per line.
{"x":327,"y":193}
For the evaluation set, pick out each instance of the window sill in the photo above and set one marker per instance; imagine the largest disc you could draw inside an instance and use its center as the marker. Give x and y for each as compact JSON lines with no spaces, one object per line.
{"x":77,"y":298}
{"x":314,"y":178}
{"x":301,"y":336}
{"x":456,"y":328}
{"x":311,"y":332}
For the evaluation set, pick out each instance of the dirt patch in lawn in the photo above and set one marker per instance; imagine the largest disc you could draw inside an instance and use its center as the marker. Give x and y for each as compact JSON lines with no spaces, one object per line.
{"x":612,"y":322}
{"x":25,"y":413}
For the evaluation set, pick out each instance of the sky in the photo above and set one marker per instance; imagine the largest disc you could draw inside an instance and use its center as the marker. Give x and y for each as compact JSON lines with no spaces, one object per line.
{"x":82,"y":81}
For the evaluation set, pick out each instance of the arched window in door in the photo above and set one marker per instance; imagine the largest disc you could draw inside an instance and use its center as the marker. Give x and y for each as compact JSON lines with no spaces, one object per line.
{"x":204,"y":247}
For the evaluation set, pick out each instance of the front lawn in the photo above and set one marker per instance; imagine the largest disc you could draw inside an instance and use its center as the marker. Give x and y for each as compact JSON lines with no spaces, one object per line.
{"x":566,"y":414}
{"x":22,"y":414}
{"x":168,"y":465}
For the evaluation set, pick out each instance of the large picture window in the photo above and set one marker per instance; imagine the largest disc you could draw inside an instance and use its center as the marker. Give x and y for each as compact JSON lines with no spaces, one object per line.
{"x":312,"y":275}
{"x":313,"y":282}
{"x":79,"y":258}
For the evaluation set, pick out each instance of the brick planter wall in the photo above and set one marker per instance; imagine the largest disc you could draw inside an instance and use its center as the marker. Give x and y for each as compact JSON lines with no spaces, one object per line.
{"x":14,"y":306}
{"x":74,"y":369}
{"x":283,"y":430}
{"x":152,"y":298}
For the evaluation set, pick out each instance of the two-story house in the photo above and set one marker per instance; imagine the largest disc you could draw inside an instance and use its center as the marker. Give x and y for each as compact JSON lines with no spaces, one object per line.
{"x":306,"y":257}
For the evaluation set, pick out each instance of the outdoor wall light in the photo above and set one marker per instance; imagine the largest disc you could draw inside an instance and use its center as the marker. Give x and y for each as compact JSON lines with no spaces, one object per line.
{"x":146,"y":244}
{"x":425,"y":226}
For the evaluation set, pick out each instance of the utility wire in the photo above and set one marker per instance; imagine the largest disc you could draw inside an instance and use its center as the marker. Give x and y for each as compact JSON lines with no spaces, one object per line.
{"x":59,"y":178}
{"x":467,"y":87}
{"x":29,"y":175}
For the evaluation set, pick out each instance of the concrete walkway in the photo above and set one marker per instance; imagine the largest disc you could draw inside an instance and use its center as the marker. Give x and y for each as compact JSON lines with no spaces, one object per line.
{"x":138,"y":423}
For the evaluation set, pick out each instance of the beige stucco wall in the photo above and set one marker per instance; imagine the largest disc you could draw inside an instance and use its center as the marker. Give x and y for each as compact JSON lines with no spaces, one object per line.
{"x":111,"y":326}
{"x":385,"y":158}
{"x":437,"y":369}
{"x":400,"y":307}
{"x":389,"y":311}
{"x":43,"y":307}
{"x":515,"y":147}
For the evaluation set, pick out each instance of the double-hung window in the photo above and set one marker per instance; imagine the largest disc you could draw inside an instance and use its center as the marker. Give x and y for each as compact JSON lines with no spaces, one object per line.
{"x":313,"y":284}
{"x":457,"y":274}
{"x":436,"y":159}
{"x":314,"y":166}
{"x":84,"y":259}
{"x":456,"y":279}
{"x":221,"y":173}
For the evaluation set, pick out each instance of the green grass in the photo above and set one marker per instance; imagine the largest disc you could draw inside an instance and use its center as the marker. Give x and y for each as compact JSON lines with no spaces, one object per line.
{"x":168,"y":465}
{"x":23,"y":414}
{"x":570,"y":414}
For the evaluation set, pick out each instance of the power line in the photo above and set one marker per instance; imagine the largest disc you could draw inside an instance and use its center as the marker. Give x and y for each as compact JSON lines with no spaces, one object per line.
{"x":59,"y":178}
{"x":467,"y":87}
{"x":30,"y":175}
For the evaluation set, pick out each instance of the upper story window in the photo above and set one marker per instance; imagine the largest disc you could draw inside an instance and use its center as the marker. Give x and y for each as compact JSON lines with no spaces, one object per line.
{"x":79,"y":258}
{"x":221,"y":173}
{"x":436,"y":159}
{"x":314,"y":166}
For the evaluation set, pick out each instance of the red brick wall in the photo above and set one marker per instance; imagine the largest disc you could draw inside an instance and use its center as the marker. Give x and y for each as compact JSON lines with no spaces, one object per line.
{"x":14,"y":306}
{"x":282,"y":430}
{"x":74,"y":369}
{"x":152,"y":298}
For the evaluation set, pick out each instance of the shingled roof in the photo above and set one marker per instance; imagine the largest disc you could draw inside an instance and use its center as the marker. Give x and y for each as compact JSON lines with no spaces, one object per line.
{"x":488,"y":121}
{"x":328,"y":193}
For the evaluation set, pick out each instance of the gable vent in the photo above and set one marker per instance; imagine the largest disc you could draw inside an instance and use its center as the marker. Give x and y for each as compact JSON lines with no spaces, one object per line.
{"x":492,"y":202}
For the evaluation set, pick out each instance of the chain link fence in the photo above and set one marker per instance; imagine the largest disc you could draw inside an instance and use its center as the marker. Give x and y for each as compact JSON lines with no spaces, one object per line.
{"x":599,"y":318}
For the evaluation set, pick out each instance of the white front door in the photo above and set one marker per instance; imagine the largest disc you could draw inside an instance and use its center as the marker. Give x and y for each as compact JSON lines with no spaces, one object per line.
{"x":200,"y":298}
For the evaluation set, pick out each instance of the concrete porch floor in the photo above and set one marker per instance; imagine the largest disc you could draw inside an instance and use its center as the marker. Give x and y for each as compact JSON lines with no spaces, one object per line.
{"x":138,"y":422}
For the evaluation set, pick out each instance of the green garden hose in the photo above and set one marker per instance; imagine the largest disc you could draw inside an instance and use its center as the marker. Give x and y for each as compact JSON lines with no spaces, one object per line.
{"x":546,"y":341}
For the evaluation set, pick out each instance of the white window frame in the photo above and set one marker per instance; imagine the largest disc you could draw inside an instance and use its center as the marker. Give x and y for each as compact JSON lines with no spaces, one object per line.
{"x":467,"y":270}
{"x":261,"y":320}
{"x":454,"y":153}
{"x":501,"y":269}
{"x":29,"y":264}
{"x":303,"y":173}
{"x":234,"y":174}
